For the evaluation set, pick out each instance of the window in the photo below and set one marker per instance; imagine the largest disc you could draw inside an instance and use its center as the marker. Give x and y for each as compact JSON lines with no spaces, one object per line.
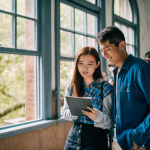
{"x":77,"y":27}
{"x":19,"y":60}
{"x":126,"y":18}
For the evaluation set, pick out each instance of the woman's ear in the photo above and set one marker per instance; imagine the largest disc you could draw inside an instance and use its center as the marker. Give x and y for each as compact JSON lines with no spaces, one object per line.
{"x":98,"y":64}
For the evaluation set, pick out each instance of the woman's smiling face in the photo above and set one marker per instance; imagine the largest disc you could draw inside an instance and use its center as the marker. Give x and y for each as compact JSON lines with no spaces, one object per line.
{"x":87,"y":65}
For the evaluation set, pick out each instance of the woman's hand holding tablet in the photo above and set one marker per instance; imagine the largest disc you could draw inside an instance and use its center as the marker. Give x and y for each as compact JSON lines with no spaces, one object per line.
{"x":92,"y":113}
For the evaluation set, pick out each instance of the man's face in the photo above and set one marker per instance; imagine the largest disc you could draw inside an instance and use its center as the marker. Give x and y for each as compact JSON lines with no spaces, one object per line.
{"x":112,"y":53}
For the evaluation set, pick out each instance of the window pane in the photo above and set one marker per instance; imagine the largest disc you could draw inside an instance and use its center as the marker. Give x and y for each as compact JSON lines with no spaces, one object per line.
{"x":128,"y":32}
{"x":127,"y":48}
{"x":116,"y":7}
{"x":17,"y":94}
{"x":123,"y":8}
{"x":25,"y":34}
{"x":133,"y":50}
{"x":66,"y":44}
{"x":129,"y":11}
{"x":130,"y":49}
{"x":118,"y":25}
{"x":125,"y":32}
{"x":26,"y":8}
{"x":66,"y":74}
{"x":66,"y":16}
{"x":91,"y":24}
{"x":91,"y":42}
{"x":6,"y":5}
{"x":5,"y":30}
{"x":91,"y":1}
{"x":80,"y":42}
{"x":80,"y":21}
{"x":131,"y":36}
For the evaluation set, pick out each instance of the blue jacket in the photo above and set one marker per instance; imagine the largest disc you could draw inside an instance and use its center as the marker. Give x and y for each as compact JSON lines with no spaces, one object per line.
{"x":133,"y":109}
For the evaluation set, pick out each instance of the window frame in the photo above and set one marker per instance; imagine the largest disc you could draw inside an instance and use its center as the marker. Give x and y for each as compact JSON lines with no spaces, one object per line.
{"x":44,"y":53}
{"x":134,"y":24}
{"x":15,"y":50}
{"x":99,"y":9}
{"x":43,"y":67}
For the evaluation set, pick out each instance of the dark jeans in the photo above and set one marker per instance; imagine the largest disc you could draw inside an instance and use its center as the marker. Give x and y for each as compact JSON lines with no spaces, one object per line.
{"x":86,"y":137}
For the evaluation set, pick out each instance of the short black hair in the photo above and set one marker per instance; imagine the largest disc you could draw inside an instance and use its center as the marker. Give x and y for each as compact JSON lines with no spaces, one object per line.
{"x":147,"y":55}
{"x":111,"y":33}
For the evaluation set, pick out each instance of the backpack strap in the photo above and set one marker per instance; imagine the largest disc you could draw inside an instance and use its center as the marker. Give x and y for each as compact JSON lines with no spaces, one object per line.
{"x":102,"y":89}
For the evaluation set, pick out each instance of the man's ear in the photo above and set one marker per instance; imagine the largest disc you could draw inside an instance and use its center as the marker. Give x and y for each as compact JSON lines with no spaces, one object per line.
{"x":98,"y":64}
{"x":122,"y":45}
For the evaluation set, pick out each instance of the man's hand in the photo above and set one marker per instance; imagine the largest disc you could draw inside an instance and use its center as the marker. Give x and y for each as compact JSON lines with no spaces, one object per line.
{"x":134,"y":146}
{"x":93,"y":114}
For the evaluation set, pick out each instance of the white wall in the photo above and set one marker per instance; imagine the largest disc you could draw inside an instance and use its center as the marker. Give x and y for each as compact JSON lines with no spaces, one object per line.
{"x":144,"y":16}
{"x":108,"y":11}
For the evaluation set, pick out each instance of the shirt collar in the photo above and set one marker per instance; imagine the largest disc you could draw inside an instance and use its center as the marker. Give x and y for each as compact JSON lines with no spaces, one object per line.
{"x":92,"y":84}
{"x":115,"y":70}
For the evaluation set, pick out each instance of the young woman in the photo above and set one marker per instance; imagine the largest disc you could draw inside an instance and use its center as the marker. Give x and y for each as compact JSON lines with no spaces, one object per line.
{"x":89,"y":133}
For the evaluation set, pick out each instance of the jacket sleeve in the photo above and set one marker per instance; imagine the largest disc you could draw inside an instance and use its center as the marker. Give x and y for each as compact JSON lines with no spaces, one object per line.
{"x":141,"y":134}
{"x":66,"y":112}
{"x":103,"y":119}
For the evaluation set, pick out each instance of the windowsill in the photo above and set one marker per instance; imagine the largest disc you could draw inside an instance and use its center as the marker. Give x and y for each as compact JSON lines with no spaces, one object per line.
{"x":61,"y":120}
{"x":25,"y":128}
{"x":28,"y":127}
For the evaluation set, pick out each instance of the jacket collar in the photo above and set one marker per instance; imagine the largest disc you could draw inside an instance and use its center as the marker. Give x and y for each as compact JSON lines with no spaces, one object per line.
{"x":126,"y":65}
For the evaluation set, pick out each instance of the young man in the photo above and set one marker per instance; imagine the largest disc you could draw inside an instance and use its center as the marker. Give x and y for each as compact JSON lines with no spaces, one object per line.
{"x":131,"y":100}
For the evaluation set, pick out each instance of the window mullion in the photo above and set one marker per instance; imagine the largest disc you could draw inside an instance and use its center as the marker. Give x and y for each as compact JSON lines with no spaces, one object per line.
{"x":126,"y":8}
{"x":13,"y":25}
{"x":96,"y":26}
{"x":85,"y":28}
{"x":15,"y":29}
{"x":74,"y":32}
{"x":72,"y":28}
{"x":35,"y":9}
{"x":119,"y":7}
{"x":35,"y":35}
{"x":37,"y":90}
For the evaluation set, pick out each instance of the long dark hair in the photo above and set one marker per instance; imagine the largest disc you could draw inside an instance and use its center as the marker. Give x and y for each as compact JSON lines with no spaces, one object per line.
{"x":77,"y":80}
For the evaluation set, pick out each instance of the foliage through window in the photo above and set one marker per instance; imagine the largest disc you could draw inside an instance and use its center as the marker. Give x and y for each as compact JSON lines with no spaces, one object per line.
{"x":18,"y":73}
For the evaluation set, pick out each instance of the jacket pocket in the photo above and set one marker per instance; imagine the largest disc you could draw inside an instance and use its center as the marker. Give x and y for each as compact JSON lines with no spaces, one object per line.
{"x":128,"y":94}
